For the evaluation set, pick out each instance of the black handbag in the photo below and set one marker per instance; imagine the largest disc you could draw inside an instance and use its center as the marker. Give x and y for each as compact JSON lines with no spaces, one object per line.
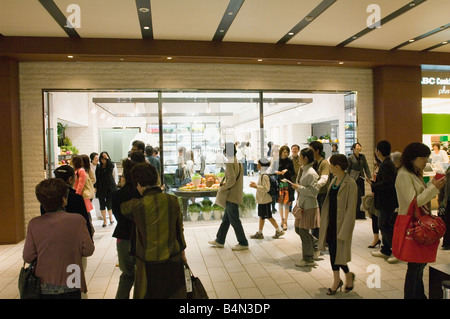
{"x":194,"y":286}
{"x":29,"y":284}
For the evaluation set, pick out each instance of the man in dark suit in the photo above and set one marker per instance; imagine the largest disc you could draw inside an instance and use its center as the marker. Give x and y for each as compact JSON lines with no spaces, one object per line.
{"x":75,"y":202}
{"x":385,"y":199}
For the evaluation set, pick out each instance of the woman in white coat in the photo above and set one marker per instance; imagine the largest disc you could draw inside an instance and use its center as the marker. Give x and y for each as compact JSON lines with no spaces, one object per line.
{"x":338,"y":221}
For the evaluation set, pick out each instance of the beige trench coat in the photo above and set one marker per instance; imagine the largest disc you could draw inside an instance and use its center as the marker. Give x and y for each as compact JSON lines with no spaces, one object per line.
{"x":232,"y":186}
{"x":346,"y":206}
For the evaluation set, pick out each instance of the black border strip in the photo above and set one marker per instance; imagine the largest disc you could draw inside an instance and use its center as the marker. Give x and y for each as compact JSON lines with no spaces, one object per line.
{"x":436,"y":46}
{"x":423,"y":36}
{"x":145,"y":18}
{"x":413,"y":4}
{"x":310,"y":17}
{"x":233,"y":6}
{"x":59,"y":17}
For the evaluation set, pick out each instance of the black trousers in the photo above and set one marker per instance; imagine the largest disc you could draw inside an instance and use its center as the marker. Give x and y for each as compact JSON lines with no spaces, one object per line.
{"x":413,"y":288}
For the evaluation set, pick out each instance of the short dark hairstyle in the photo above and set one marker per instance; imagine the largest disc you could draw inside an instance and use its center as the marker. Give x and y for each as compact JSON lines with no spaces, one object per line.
{"x":354,"y":145}
{"x":284,"y":148}
{"x":77,"y":161}
{"x":317,"y":146}
{"x":339,"y":159}
{"x":64,"y":172}
{"x":145,"y":174}
{"x":51,"y":193}
{"x":149,"y":150}
{"x":92,"y":156}
{"x":384,"y":147}
{"x":295,"y":145}
{"x":411,"y":152}
{"x":139,"y":145}
{"x":137,"y":157}
{"x":308,"y":153}
{"x":127,"y":165}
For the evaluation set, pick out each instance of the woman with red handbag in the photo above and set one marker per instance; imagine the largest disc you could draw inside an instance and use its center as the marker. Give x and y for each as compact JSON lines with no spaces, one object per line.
{"x":410,"y":186}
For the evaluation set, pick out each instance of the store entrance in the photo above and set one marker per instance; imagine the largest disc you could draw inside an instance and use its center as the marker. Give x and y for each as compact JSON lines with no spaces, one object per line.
{"x":193,"y":126}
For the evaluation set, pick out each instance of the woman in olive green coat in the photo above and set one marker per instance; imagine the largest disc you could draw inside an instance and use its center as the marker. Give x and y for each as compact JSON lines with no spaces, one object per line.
{"x":337,"y":221}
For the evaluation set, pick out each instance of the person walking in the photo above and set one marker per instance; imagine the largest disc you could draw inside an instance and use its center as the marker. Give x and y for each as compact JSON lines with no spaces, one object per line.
{"x":357,"y":168}
{"x":105,"y":185}
{"x":385,"y":199}
{"x":160,"y":244}
{"x":337,"y":222}
{"x":409,"y":185}
{"x":57,"y":241}
{"x":229,"y":196}
{"x":309,"y":218}
{"x":264,"y":201}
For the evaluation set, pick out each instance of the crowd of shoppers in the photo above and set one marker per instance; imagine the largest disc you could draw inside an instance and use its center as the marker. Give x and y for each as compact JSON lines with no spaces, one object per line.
{"x":324,"y":196}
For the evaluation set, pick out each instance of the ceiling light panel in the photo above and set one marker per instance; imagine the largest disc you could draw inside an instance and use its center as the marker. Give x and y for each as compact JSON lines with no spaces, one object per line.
{"x":429,"y":41}
{"x":105,"y":18}
{"x":187,"y":20}
{"x":27,"y":18}
{"x":342,"y":20}
{"x":415,"y":22}
{"x":267,"y":21}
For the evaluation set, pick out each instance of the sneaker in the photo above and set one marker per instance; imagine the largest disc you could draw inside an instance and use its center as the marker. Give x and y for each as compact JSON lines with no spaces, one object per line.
{"x":392,"y":260}
{"x":278,"y":234}
{"x":214,"y":243}
{"x":303,"y":263}
{"x":239,"y":247}
{"x":317,"y":255}
{"x":257,"y":235}
{"x":379,"y":254}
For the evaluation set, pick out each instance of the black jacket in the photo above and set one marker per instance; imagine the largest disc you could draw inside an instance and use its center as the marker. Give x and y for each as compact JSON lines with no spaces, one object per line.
{"x":104,"y":180}
{"x":125,"y":225}
{"x":385,"y":195}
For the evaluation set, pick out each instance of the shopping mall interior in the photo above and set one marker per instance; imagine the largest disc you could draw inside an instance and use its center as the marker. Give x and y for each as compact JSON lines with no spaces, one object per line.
{"x":92,"y":76}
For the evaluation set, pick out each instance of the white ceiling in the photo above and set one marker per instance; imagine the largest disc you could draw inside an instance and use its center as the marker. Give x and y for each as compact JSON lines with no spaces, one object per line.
{"x":262,"y":21}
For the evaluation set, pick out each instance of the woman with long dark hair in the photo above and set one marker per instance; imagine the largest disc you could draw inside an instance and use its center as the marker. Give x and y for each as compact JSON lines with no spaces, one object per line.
{"x":105,"y":185}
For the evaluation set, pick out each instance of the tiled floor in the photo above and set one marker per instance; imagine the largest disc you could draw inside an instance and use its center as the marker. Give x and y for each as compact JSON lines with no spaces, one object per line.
{"x":266,"y":270}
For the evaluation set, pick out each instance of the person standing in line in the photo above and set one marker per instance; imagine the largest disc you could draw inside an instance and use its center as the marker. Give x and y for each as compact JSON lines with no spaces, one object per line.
{"x":385,"y":199}
{"x":160,"y":244}
{"x":57,"y":240}
{"x":105,"y":185}
{"x":229,"y":196}
{"x":264,"y":201}
{"x":307,"y":187}
{"x":373,"y":213}
{"x":334,"y":149}
{"x":295,"y":149}
{"x":149,"y":151}
{"x":337,"y":222}
{"x":94,"y":164}
{"x":409,"y":185}
{"x":438,"y":155}
{"x":322,"y":167}
{"x":80,"y":181}
{"x":286,"y":192}
{"x":126,"y":243}
{"x":444,"y":206}
{"x":357,"y":168}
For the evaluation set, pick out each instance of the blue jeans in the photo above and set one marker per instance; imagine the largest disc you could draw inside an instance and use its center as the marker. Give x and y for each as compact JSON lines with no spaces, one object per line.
{"x":231,"y":217}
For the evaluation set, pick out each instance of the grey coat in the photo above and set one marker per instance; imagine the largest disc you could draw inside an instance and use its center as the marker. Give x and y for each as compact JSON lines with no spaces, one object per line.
{"x":346,"y":206}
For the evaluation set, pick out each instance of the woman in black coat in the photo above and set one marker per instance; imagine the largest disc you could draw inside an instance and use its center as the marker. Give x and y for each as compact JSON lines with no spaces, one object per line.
{"x":286,"y":192}
{"x":105,"y":185}
{"x":357,"y":168}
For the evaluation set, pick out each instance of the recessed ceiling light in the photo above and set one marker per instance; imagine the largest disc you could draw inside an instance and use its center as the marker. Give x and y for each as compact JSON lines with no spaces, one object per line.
{"x":259,"y":60}
{"x":355,"y":37}
{"x":146,"y":28}
{"x":70,"y":56}
{"x":412,"y":4}
{"x":144,"y":10}
{"x":230,"y":13}
{"x":221,"y":30}
{"x":309,"y":18}
{"x":291,"y":33}
{"x":445,"y":42}
{"x":341,"y":62}
{"x":169,"y":58}
{"x":412,"y":40}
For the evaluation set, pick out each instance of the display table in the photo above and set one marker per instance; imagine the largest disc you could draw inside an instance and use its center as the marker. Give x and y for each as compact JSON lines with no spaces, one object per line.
{"x":438,"y":273}
{"x":185,"y":195}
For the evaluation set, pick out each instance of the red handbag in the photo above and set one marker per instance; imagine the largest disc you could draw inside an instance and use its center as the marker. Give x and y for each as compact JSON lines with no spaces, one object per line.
{"x":427,"y":229}
{"x":404,"y":246}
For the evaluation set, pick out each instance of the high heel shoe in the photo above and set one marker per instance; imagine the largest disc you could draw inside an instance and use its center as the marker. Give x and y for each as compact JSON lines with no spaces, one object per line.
{"x":331,"y":292}
{"x":376,"y":244}
{"x":348,"y":289}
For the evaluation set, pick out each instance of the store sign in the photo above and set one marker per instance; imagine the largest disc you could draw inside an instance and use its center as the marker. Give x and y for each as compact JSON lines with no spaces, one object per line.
{"x":436,"y":84}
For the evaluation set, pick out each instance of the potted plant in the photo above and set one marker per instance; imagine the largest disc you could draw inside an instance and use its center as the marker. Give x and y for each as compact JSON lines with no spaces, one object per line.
{"x":248,"y":205}
{"x":196,"y":179}
{"x":206,"y":212}
{"x":217,"y":211}
{"x":194,"y":210}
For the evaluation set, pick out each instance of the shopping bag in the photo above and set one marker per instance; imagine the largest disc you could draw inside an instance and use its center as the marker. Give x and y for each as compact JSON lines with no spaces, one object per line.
{"x":194,"y":286}
{"x":404,"y":247}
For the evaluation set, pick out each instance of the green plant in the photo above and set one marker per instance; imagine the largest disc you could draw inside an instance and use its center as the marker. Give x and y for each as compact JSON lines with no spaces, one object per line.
{"x":216,"y":207}
{"x":207,"y":202}
{"x":206,"y":208}
{"x":194,"y":208}
{"x":248,"y":202}
{"x":196,"y":176}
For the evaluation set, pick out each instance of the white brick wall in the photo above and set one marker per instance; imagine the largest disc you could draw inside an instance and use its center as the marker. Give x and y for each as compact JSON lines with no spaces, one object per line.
{"x":36,"y":76}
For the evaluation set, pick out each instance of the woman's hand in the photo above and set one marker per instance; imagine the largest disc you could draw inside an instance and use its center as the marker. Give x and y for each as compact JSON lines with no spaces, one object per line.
{"x":439,"y":183}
